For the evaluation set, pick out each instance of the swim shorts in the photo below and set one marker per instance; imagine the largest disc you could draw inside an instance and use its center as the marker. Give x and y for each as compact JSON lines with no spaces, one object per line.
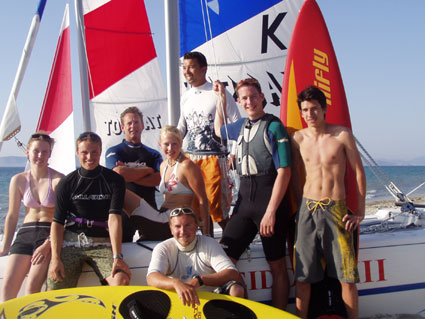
{"x":78,"y":249}
{"x":243,"y":226}
{"x":321,"y":235}
{"x":29,"y":237}
{"x":217,"y":185}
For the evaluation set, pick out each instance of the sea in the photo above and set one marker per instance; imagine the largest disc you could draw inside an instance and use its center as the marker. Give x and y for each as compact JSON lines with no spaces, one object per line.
{"x":406,"y":178}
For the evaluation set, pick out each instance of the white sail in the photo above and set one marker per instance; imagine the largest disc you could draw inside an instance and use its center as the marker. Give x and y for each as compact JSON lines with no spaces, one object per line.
{"x":11,"y":124}
{"x":241,"y":39}
{"x":123,"y":69}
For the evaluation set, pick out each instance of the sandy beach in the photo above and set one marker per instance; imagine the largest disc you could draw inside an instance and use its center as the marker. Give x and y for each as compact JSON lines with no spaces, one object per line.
{"x":373,"y":206}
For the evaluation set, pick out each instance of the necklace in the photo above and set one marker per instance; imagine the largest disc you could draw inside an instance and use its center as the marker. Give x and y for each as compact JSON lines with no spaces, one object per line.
{"x":171,"y":164}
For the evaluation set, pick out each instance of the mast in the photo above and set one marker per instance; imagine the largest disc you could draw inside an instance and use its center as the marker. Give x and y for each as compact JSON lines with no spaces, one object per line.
{"x":82,"y":55}
{"x":173,"y":59}
{"x":11,"y":124}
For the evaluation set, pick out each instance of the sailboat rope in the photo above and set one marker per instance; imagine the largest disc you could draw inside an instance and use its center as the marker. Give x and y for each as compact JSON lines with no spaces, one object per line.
{"x":85,"y":55}
{"x":203,"y":20}
{"x":381,"y":175}
{"x":20,"y":145}
{"x":214,"y":59}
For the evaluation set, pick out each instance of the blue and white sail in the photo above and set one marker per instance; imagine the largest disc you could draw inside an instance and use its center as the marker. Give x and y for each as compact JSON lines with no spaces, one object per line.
{"x":241,"y":39}
{"x":11,"y":124}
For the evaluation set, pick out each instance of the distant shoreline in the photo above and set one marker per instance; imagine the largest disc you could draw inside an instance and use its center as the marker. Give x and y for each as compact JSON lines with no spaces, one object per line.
{"x":373,"y":206}
{"x":20,"y":161}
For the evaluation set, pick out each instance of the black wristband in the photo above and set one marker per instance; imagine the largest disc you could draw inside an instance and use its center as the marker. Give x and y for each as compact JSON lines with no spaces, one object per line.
{"x":201,"y":282}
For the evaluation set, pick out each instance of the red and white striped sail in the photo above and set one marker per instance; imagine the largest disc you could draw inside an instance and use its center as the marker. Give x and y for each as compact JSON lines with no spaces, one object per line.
{"x":56,"y":116}
{"x":123,"y":69}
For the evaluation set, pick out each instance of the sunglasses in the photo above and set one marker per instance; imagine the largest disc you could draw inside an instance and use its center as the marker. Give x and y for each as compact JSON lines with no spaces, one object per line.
{"x":179,"y":211}
{"x":40,"y":135}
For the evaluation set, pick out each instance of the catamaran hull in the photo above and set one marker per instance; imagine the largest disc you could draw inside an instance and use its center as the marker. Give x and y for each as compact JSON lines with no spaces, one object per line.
{"x":391,"y":267}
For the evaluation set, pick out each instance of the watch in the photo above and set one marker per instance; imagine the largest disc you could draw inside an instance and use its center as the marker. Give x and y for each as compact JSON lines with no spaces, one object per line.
{"x":118,"y":256}
{"x":201,"y":282}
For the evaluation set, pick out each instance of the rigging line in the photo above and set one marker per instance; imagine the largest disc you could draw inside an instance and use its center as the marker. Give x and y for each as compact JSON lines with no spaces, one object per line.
{"x":389,"y":185}
{"x":379,"y":177}
{"x":215,"y":66}
{"x":20,"y":145}
{"x":375,"y":165}
{"x":203,"y":20}
{"x":212,"y":39}
{"x":416,"y":188}
{"x":85,"y":56}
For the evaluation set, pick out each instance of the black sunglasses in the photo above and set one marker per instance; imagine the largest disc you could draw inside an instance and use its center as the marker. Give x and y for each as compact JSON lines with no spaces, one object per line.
{"x":40,"y":135}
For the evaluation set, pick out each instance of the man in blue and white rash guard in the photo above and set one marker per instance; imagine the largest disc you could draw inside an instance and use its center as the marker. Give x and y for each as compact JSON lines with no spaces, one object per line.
{"x":137,"y":163}
{"x":86,"y":225}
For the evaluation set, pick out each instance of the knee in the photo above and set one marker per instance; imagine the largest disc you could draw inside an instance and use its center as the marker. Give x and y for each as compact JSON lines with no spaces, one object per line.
{"x":237,"y":291}
{"x":302,"y":285}
{"x":124,"y":281}
{"x":31,"y":288}
{"x":120,"y":279}
{"x":348,"y":286}
{"x":278,"y":267}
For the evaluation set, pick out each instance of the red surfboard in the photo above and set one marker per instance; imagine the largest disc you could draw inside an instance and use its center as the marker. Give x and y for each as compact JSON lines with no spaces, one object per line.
{"x":311,"y":60}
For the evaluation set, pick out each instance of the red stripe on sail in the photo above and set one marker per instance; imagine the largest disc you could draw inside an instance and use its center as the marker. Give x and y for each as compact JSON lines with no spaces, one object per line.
{"x":311,"y":60}
{"x":118,"y":40}
{"x":57,"y":104}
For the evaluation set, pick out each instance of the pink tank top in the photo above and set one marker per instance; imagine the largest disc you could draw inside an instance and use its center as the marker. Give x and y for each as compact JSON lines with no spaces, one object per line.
{"x":28,"y":199}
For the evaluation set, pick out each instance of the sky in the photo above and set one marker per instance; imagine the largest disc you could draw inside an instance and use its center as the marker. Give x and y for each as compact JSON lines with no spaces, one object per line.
{"x":380,"y":46}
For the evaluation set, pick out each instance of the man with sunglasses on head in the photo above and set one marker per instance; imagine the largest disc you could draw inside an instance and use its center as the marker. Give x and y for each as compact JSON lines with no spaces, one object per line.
{"x":86,"y":225}
{"x":188,"y":262}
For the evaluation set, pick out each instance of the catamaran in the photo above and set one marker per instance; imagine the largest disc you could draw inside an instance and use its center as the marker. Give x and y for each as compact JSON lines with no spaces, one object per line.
{"x":119,"y":68}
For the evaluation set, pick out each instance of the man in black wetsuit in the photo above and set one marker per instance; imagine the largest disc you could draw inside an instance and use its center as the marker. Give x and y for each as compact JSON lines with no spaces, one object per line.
{"x":87,"y":223}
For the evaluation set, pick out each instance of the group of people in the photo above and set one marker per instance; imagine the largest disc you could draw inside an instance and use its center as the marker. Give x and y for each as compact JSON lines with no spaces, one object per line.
{"x":96,"y":208}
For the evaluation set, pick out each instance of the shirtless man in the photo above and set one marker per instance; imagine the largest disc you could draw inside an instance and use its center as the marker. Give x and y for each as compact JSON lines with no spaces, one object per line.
{"x":324,"y":227}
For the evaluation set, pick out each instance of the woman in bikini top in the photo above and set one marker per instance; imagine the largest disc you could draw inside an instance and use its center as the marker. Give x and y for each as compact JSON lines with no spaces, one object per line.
{"x":35,"y":188}
{"x":181,"y":183}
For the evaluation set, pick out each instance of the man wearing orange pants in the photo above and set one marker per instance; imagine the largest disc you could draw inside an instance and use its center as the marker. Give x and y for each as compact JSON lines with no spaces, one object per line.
{"x":198,"y":109}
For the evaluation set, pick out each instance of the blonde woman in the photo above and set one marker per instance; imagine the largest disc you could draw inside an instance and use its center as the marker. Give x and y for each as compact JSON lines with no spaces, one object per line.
{"x":30,"y":252}
{"x":181,"y":184}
